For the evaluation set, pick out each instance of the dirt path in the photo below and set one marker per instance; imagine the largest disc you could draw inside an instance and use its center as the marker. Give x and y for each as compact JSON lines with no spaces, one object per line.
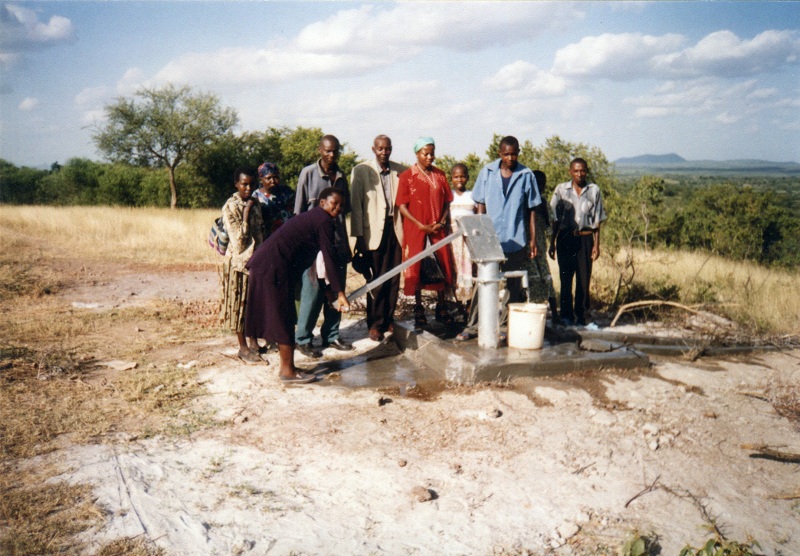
{"x":563,"y":466}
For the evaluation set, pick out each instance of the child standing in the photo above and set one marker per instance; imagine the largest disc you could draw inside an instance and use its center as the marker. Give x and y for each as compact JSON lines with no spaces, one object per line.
{"x":462,"y":205}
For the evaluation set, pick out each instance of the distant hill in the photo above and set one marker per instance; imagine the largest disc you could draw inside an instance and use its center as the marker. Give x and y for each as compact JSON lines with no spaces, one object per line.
{"x":652,"y":159}
{"x":676,"y":164}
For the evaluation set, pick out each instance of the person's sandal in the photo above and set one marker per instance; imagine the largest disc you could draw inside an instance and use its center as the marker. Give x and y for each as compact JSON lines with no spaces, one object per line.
{"x":463,"y":336}
{"x":299,"y":378}
{"x":249,"y":356}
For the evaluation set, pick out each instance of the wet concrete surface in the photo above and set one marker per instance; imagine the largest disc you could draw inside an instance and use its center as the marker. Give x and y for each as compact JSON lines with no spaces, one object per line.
{"x":467,"y":363}
{"x":412,"y":361}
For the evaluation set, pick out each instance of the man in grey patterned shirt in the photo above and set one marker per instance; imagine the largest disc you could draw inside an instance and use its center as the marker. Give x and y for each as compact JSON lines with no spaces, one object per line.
{"x":578,"y":213}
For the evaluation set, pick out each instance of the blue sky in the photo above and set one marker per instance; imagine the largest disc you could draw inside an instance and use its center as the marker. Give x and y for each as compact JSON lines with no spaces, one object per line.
{"x":707,"y":80}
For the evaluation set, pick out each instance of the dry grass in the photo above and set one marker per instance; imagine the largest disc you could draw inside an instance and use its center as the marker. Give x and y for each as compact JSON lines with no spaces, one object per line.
{"x":144,"y":235}
{"x":130,"y":547}
{"x":42,"y":518}
{"x":785,"y":398}
{"x":51,"y":388}
{"x":763,"y":300}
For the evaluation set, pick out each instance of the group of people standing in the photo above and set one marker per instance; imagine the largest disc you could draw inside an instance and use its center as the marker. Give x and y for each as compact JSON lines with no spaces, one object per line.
{"x":283,"y":240}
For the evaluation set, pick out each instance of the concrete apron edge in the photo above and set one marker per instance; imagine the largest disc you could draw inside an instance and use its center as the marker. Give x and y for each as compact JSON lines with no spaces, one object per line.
{"x":449,"y":362}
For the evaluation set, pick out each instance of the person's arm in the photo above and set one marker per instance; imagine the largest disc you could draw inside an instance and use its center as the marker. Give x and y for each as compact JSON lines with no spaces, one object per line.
{"x":445,"y":216}
{"x":532,"y":224}
{"x":480,"y":208}
{"x":596,"y":246}
{"x":600,"y":217}
{"x":555,"y":224}
{"x":534,"y":201}
{"x":427,"y":228}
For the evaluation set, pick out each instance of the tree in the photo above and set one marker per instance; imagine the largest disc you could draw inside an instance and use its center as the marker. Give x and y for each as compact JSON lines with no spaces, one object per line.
{"x":75,"y":183}
{"x":290,"y":148}
{"x":300,"y":147}
{"x":162,"y":127}
{"x":648,"y":194}
{"x":19,"y":185}
{"x":472,"y":161}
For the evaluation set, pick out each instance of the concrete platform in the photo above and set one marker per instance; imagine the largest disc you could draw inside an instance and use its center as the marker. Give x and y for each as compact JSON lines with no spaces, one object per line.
{"x":467,"y":363}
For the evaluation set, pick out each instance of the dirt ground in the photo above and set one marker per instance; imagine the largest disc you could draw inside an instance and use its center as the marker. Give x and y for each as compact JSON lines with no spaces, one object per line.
{"x":564,"y":465}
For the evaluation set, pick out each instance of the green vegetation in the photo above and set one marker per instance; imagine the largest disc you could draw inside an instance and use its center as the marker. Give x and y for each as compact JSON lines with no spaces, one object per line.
{"x":162,"y":128}
{"x":718,"y":546}
{"x":744,"y":217}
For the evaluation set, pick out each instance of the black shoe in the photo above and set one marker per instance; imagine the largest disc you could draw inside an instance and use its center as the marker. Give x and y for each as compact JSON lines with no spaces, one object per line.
{"x":341,"y":345}
{"x":309,"y":351}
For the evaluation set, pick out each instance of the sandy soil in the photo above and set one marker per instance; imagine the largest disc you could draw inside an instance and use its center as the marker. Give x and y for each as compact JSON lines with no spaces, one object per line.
{"x":566,"y":465}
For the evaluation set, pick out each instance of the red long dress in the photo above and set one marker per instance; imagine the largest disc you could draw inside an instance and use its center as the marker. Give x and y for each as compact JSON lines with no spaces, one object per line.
{"x":426,"y":197}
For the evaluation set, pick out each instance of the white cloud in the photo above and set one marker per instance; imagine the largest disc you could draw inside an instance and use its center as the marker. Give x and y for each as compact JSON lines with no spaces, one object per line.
{"x":355,"y":41}
{"x":677,"y":98}
{"x":724,"y":54}
{"x":8,"y":59}
{"x":91,"y":96}
{"x":20,"y":29}
{"x":132,"y":80}
{"x":727,"y":118}
{"x":522,"y":79}
{"x":760,"y":94}
{"x":92,"y":117}
{"x":410,"y":27}
{"x":613,"y":56}
{"x":91,"y":100}
{"x":714,"y":99}
{"x":628,"y":56}
{"x":240,"y":66}
{"x":367,"y":104}
{"x":28,"y":104}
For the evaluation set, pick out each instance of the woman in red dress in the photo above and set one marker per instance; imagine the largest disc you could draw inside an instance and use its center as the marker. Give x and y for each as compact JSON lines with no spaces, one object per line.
{"x":423,"y":199}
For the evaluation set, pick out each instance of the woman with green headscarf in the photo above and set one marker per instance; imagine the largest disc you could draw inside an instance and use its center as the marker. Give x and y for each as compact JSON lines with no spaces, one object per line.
{"x":423,"y":200}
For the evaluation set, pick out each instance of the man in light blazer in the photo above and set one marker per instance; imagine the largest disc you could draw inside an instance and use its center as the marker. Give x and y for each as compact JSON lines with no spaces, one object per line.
{"x":375,"y":224}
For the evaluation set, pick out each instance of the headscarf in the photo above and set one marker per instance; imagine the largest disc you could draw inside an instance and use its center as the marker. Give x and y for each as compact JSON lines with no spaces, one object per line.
{"x":423,"y":142}
{"x":266,"y":169}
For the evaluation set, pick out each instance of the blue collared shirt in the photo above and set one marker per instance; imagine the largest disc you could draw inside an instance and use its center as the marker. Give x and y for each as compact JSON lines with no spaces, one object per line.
{"x":510,"y":211}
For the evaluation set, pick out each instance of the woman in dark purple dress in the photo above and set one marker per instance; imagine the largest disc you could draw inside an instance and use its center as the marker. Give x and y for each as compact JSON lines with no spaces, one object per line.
{"x":276,"y":268}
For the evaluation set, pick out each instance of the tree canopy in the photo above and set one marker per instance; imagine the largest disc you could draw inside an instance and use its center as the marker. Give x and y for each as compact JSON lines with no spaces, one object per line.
{"x":162,"y":127}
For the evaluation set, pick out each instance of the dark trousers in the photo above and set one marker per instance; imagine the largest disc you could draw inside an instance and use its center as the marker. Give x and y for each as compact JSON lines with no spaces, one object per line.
{"x":312,"y":301}
{"x":574,"y":261}
{"x":518,"y":260}
{"x":382,"y":301}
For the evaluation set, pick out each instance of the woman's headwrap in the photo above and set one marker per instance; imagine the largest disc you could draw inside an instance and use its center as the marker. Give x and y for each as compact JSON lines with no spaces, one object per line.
{"x":423,"y":142}
{"x":266,"y":169}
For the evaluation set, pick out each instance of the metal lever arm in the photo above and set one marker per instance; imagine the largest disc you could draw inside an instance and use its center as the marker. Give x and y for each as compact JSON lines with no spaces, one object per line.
{"x":401,"y":267}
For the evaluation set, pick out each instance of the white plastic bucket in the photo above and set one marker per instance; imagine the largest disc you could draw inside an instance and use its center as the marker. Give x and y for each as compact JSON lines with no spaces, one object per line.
{"x":526,"y":325}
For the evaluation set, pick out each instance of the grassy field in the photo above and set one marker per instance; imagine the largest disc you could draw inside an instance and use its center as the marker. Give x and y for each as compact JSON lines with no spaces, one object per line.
{"x":763,"y":300}
{"x":51,"y":387}
{"x":143,"y":235}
